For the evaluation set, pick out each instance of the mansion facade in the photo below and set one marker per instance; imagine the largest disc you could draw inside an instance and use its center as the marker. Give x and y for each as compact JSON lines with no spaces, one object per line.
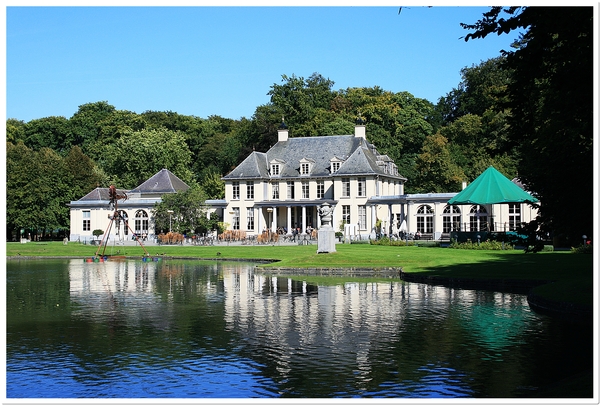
{"x":282,"y":189}
{"x":94,"y":211}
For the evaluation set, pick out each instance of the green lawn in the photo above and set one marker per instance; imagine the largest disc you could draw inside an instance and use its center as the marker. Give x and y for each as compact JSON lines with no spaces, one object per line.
{"x":576,"y":269}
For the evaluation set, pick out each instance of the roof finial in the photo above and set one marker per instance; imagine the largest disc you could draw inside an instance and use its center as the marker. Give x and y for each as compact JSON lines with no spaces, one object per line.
{"x":282,"y":125}
{"x":359,"y":120}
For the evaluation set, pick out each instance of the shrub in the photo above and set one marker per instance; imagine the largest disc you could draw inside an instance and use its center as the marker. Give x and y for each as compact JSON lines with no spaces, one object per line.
{"x":587,"y":248}
{"x":487,"y":245}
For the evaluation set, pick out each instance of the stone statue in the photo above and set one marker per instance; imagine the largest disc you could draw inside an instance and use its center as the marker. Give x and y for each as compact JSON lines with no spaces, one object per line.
{"x":325,"y":211}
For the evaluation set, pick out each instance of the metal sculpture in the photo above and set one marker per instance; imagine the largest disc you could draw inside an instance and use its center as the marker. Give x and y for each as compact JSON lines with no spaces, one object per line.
{"x":113,"y":197}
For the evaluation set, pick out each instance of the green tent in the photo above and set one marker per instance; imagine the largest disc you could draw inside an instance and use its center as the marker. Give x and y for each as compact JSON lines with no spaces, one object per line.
{"x":491,"y":187}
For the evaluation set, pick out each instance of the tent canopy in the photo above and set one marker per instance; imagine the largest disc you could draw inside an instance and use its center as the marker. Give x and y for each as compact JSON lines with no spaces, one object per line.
{"x":492,"y":187}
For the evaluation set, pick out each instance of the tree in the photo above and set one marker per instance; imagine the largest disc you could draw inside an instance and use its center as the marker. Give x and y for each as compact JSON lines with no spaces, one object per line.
{"x":137,"y":156}
{"x":36,"y":191}
{"x":188,"y":212}
{"x":83,"y":174}
{"x":550,"y":97}
{"x":49,"y":132}
{"x":435,"y":168}
{"x":86,"y":123}
{"x":15,"y":130}
{"x":298,"y":100}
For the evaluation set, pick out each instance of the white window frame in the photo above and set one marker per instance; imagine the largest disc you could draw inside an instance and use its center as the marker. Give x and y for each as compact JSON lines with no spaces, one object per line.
{"x":320,"y":189}
{"x":345,"y":187}
{"x":235,"y":190}
{"x":250,"y":218}
{"x":425,"y":219}
{"x":275,"y":169}
{"x":362,"y":217}
{"x":450,"y":219}
{"x":305,"y":190}
{"x":346,"y":214}
{"x":87,"y":221}
{"x":362,"y":187}
{"x":236,"y":219}
{"x":250,"y":190}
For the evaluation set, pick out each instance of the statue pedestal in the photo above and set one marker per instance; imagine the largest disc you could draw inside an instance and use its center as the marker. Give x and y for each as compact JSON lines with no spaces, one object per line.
{"x":326,"y":239}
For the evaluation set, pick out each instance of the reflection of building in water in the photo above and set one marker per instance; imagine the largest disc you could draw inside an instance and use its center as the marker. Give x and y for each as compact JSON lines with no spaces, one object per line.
{"x":293,"y":320}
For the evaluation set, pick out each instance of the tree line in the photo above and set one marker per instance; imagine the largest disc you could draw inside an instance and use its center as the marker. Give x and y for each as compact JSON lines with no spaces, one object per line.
{"x":504,"y":112}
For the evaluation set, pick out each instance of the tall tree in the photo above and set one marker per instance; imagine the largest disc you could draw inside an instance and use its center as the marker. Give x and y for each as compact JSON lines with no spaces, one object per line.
{"x":435,"y":168}
{"x":550,"y":96}
{"x":49,"y":132}
{"x":86,"y":123}
{"x":138,"y":155}
{"x":36,"y":191}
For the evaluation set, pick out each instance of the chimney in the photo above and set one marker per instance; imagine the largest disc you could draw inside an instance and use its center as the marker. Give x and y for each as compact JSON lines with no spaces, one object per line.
{"x":360,"y":128}
{"x":464,"y":184}
{"x":282,"y":132}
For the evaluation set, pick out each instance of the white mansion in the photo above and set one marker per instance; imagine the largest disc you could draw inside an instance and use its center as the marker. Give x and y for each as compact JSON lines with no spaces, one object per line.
{"x":282,"y":189}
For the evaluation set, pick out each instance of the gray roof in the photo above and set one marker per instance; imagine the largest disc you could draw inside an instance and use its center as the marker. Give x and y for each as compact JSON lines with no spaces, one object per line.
{"x":162,"y":182}
{"x":100,"y":194}
{"x":357,"y":155}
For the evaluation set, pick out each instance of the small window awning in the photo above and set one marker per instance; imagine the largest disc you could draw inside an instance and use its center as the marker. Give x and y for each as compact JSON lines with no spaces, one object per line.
{"x":492,"y":187}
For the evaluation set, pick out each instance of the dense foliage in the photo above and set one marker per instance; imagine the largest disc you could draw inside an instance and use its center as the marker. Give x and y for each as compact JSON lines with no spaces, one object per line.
{"x":512,"y":112}
{"x":550,"y":98}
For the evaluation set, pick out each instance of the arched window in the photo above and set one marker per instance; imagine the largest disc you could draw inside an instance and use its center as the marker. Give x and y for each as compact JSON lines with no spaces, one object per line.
{"x":425,"y":219}
{"x":451,"y":219}
{"x":478,"y":218}
{"x":141,"y":222}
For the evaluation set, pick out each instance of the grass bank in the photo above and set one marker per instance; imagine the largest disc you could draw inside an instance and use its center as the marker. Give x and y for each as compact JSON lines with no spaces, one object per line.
{"x":573,"y":269}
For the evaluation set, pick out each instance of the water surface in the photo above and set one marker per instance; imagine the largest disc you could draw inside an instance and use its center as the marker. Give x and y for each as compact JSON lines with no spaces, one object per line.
{"x":196,"y":329}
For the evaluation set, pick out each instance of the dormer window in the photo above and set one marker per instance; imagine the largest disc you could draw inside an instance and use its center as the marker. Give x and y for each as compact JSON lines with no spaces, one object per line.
{"x":306,"y":167}
{"x":276,"y":167}
{"x":335,"y":164}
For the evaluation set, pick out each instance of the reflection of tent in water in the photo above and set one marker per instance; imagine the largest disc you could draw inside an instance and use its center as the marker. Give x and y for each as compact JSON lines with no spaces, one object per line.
{"x":491,"y":187}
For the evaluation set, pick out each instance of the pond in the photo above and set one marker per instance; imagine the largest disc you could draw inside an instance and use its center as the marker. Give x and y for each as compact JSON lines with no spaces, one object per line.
{"x":200,"y":329}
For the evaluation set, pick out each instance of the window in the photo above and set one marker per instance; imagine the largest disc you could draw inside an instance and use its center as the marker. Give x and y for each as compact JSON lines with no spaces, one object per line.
{"x":250,"y":219}
{"x":478,"y":220}
{"x":451,"y":219}
{"x":236,"y":218}
{"x":304,"y":169}
{"x":514,"y":216}
{"x":320,"y":189}
{"x":362,"y":217}
{"x":335,"y":166}
{"x":345,"y":187}
{"x":141,"y":222}
{"x":290,"y":190}
{"x":362,"y":186}
{"x":275,"y":169}
{"x":275,"y":191}
{"x":236,"y":190}
{"x":250,"y":190}
{"x":87,"y":223}
{"x":305,"y":189}
{"x":346,"y":214}
{"x":425,"y":219}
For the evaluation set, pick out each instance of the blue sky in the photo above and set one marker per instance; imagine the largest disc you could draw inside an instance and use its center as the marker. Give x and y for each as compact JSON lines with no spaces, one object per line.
{"x":206,"y":61}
